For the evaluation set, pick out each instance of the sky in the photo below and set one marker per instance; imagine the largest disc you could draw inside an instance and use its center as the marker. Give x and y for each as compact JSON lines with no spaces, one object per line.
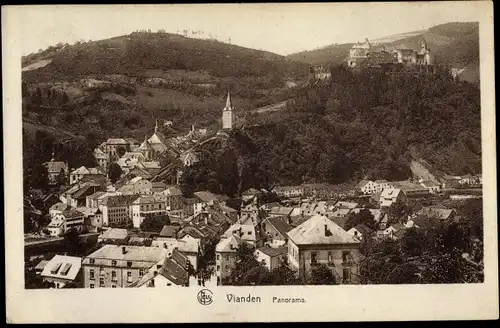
{"x":279,"y":28}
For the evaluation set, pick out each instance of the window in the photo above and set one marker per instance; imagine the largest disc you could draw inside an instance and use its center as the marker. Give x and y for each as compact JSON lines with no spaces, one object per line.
{"x":91,"y":285}
{"x":114,"y":286}
{"x":314,"y":257}
{"x":113,"y":263}
{"x":113,"y":275}
{"x":346,"y":274}
{"x":101,"y":282}
{"x":345,"y":256}
{"x":218,"y":257}
{"x":141,"y":272}
{"x":330,"y":257}
{"x":218,"y":268}
{"x":101,"y":270}
{"x":91,"y":273}
{"x":129,"y":264}
{"x":129,"y":276}
{"x":92,"y":261}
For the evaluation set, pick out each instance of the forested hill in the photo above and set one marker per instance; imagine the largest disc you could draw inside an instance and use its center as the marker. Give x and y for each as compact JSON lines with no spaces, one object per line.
{"x":366,"y":126}
{"x":138,"y":52}
{"x":455,"y":44}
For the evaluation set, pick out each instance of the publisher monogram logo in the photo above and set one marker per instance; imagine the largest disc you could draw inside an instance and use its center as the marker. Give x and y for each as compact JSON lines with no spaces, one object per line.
{"x":205,"y":297}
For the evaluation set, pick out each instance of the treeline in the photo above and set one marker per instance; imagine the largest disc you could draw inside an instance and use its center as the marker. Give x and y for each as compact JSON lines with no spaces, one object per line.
{"x":140,"y":51}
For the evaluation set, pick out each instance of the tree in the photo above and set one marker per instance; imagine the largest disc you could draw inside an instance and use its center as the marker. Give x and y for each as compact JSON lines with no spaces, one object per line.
{"x":283,"y":275}
{"x":403,"y":274}
{"x":114,"y":172}
{"x":121,"y":151}
{"x":242,"y":274}
{"x":321,"y":275}
{"x":61,"y":178}
{"x":413,"y":242}
{"x":39,"y":177}
{"x":362,"y":217}
{"x":155,"y":223}
{"x":73,"y":244}
{"x":33,"y":280}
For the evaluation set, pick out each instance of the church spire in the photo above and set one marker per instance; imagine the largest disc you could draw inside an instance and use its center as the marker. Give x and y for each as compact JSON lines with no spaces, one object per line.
{"x":156,"y":126}
{"x":228,"y":100}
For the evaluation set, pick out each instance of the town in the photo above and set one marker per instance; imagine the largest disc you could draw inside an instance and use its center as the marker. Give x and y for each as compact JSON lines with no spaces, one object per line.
{"x":126,"y":224}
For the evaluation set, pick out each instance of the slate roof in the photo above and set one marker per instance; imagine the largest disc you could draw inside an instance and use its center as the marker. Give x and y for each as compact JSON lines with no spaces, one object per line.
{"x":280,"y":225}
{"x":205,"y":196}
{"x":133,"y":253}
{"x":272,"y":252}
{"x":114,"y":233}
{"x":169,"y":231}
{"x":62,"y":267}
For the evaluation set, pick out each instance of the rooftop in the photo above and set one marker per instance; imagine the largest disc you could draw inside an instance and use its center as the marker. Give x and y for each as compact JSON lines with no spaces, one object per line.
{"x":169,"y":231}
{"x":114,"y":233}
{"x":272,"y":252}
{"x":228,"y":244}
{"x":132,"y":253}
{"x":205,"y":196}
{"x":320,"y":230}
{"x":62,"y":267}
{"x":280,"y":225}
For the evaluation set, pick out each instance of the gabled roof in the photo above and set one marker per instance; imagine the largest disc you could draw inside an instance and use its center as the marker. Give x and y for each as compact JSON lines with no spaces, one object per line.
{"x":340,"y":221}
{"x":281,"y":210}
{"x":59,"y":207}
{"x":120,"y":200}
{"x":205,"y":196}
{"x":72,"y":213}
{"x":174,"y":272}
{"x":363,"y":229}
{"x":243,"y":231}
{"x":438,"y":213}
{"x":320,"y":230}
{"x":273,"y":252}
{"x":228,"y":244}
{"x":116,"y":141}
{"x":280,"y":225}
{"x":390,"y":193}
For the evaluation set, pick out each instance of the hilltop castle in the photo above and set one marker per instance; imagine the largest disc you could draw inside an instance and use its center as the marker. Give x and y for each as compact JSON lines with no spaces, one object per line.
{"x":363,"y":55}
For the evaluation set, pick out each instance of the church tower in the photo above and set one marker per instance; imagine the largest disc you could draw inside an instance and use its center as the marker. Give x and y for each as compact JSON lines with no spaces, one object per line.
{"x":228,"y":114}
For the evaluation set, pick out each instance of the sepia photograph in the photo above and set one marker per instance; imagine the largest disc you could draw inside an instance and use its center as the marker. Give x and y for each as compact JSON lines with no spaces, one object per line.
{"x":202,"y":149}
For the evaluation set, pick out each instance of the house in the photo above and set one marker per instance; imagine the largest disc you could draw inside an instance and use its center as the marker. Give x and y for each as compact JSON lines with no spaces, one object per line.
{"x":360,"y":231}
{"x":117,"y":210}
{"x":114,"y":235}
{"x":250,"y":194}
{"x":366,"y":187}
{"x":92,"y":217}
{"x":271,"y":257}
{"x":451,"y":181}
{"x":411,"y":189}
{"x":246,"y":233}
{"x":226,"y":256}
{"x":468,"y":180}
{"x":137,"y":185}
{"x":391,"y":196}
{"x":172,"y":272}
{"x":175,"y":199}
{"x":440,"y":214}
{"x":188,"y":247}
{"x":56,"y":171}
{"x":118,"y":266}
{"x":58,"y":208}
{"x":381,"y":185}
{"x":144,"y":206}
{"x":202,"y":199}
{"x":275,"y":229}
{"x":62,"y":270}
{"x":289,"y":191}
{"x":432,"y":186}
{"x":101,"y":158}
{"x":113,"y":144}
{"x":76,"y":195}
{"x":63,"y":222}
{"x":82,"y":172}
{"x":281,"y":211}
{"x":320,"y":240}
{"x":169,"y":231}
{"x":249,"y":213}
{"x":50,"y":200}
{"x":189,"y":158}
{"x":394,"y":232}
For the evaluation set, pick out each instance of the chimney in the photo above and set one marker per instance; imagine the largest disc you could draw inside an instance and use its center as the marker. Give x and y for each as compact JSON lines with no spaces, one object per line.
{"x":165,"y":245}
{"x":124,"y":250}
{"x":326,"y":229}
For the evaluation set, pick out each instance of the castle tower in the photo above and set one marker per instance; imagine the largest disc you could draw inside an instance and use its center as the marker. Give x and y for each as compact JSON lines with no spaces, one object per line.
{"x":228,"y":114}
